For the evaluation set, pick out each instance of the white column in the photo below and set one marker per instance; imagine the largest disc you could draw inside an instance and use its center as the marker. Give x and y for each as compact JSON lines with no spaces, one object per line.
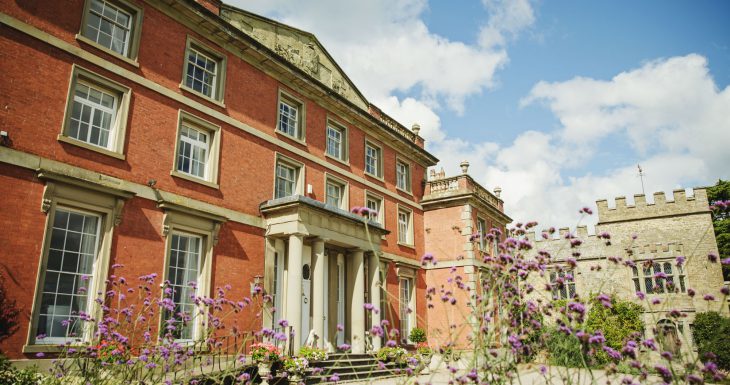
{"x":318,"y":282}
{"x":374,"y":284}
{"x":357,"y":310}
{"x":294,"y":289}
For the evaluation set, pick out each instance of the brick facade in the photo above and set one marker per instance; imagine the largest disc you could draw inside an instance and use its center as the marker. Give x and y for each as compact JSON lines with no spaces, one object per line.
{"x":40,"y":48}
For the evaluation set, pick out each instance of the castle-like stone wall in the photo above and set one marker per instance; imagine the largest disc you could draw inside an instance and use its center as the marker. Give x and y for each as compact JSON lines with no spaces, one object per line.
{"x":681,"y":205}
{"x":646,"y":234}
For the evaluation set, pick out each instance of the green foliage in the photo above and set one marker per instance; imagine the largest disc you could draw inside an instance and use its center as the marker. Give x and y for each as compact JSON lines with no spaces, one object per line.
{"x":312,"y":353}
{"x":721,"y":221}
{"x":417,"y":335}
{"x":710,"y":332}
{"x":26,"y":376}
{"x":391,"y":354}
{"x":564,"y":350}
{"x":619,"y":323}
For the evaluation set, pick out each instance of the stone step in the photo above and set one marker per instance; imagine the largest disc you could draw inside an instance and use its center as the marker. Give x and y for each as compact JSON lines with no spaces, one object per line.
{"x":355,"y":376}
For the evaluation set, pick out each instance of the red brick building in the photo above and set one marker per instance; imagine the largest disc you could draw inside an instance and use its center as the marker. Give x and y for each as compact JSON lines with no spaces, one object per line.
{"x":199,"y":142}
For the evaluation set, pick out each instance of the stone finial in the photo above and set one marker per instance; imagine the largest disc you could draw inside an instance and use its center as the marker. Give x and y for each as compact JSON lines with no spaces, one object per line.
{"x":497,"y":191}
{"x":464,"y":166}
{"x":416,"y":128}
{"x":431,"y":174}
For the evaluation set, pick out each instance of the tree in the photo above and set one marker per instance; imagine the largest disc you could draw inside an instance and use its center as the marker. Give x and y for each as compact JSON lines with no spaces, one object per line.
{"x":721,"y":221}
{"x":710,"y":333}
{"x":619,"y":323}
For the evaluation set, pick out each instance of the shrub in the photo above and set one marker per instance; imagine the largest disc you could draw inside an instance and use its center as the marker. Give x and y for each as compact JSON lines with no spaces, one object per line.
{"x":711,"y":331}
{"x":564,"y":349}
{"x":619,"y":322}
{"x":417,"y":335}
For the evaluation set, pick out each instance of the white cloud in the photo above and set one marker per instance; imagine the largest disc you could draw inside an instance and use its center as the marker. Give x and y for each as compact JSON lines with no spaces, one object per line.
{"x":669,"y":112}
{"x":363,"y":35}
{"x":507,"y":17}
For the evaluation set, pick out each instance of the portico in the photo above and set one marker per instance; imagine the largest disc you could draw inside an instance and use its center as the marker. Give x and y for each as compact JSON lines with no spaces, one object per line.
{"x":322,"y":266}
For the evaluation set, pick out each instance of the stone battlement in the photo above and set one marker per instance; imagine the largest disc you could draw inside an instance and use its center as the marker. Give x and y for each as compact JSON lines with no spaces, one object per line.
{"x":681,"y":205}
{"x":657,"y":250}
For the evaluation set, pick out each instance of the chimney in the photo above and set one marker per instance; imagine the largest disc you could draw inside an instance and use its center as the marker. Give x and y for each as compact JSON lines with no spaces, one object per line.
{"x":211,"y":5}
{"x":464,"y":166}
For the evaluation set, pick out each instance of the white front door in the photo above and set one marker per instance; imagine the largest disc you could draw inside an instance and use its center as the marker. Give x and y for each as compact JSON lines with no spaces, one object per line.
{"x":306,"y":292}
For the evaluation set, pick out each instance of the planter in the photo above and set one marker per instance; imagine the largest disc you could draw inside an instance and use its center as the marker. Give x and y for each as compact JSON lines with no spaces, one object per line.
{"x":295,"y":379}
{"x":264,"y":371}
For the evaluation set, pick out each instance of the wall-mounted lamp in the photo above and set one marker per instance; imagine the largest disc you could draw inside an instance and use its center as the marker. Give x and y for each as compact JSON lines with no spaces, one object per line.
{"x":256,"y":285}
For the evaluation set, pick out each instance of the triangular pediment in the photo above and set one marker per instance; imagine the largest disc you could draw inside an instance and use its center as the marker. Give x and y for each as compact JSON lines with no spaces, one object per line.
{"x":300,"y":48}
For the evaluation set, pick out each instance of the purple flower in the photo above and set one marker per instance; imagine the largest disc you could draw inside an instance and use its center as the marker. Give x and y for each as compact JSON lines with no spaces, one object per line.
{"x":725,"y":290}
{"x":712,"y":257}
{"x":725,"y":261}
{"x":640,"y":295}
{"x":334,"y":378}
{"x":680,"y":260}
{"x":344,"y":347}
{"x":368,"y":306}
{"x":709,"y":297}
{"x":612,"y":353}
{"x":428,"y":257}
{"x":664,"y":373}
{"x":340,"y":328}
{"x":283,"y":323}
{"x":40,"y":355}
{"x":691,"y":292}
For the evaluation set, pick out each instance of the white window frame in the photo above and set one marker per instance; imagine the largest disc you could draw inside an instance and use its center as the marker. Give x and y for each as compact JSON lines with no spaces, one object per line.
{"x":344,"y":152}
{"x":75,"y":195}
{"x":408,"y":239}
{"x":406,"y":185}
{"x":408,"y":275}
{"x":131,"y":46}
{"x":380,"y":203}
{"x":378,"y":161}
{"x":298,"y":167}
{"x":213,"y":131}
{"x":481,"y":226}
{"x":568,"y":290}
{"x":344,"y":191}
{"x":218,"y":86}
{"x":641,"y":274}
{"x":292,"y":102}
{"x":118,"y":126}
{"x":186,"y":220}
{"x":300,"y":126}
{"x":184,"y":286}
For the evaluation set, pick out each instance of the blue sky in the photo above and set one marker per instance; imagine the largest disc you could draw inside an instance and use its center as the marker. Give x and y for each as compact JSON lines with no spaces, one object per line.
{"x":553,"y":101}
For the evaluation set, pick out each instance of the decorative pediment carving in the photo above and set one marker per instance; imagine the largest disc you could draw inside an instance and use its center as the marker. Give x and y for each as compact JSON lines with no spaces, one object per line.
{"x":300,"y":48}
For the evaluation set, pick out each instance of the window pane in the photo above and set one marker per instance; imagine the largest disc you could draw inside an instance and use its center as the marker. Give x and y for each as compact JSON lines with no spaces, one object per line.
{"x":201,"y":72}
{"x":92,"y":115}
{"x":109,"y":26}
{"x":184,"y":268}
{"x":65,"y":268}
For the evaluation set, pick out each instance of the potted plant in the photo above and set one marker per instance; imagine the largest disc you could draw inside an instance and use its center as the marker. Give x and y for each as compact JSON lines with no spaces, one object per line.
{"x":417,"y":335}
{"x":295,"y":367}
{"x":312,"y":353}
{"x":265,"y":355}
